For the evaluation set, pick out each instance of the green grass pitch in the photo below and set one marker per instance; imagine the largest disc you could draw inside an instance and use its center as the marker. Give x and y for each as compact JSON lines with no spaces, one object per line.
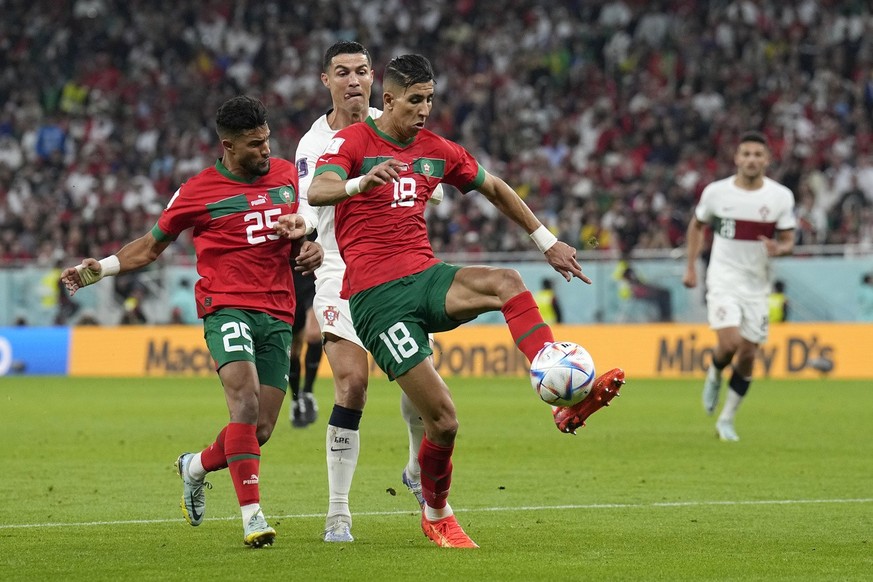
{"x":644,"y":492}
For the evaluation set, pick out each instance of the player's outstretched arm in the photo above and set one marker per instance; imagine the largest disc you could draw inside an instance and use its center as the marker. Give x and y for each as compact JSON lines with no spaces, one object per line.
{"x":132,"y":256}
{"x":329,"y":189}
{"x":560,"y":255}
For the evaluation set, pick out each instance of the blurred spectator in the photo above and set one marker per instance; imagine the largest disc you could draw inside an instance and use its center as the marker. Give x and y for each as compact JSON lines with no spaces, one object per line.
{"x":631,"y":286}
{"x":865,"y":298}
{"x":778,"y":303}
{"x":548,"y":303}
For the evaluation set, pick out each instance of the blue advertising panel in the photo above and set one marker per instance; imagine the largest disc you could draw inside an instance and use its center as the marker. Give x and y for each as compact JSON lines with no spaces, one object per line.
{"x":34,"y":350}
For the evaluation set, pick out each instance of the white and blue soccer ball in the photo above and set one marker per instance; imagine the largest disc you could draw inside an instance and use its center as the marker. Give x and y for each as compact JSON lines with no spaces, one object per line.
{"x":562,"y":373}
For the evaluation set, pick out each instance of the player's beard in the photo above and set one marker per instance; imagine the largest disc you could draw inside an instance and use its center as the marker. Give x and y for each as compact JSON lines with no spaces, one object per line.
{"x":259,"y":167}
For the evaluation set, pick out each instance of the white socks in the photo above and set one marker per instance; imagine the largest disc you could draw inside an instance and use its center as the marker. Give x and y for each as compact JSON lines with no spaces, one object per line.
{"x":432,"y":514}
{"x":195,"y":468}
{"x":731,"y":404}
{"x":343,"y":448}
{"x":415,"y":426}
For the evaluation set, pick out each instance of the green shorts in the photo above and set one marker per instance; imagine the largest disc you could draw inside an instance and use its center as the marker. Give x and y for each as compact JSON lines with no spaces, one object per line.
{"x":394,"y":318}
{"x":234,"y":335}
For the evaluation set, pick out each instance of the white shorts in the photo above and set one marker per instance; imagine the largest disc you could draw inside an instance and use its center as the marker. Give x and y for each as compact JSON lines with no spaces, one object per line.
{"x":333,"y":313}
{"x":725,"y":309}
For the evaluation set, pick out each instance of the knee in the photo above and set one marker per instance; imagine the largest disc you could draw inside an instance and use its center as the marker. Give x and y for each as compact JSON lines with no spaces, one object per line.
{"x":264,"y":431}
{"x":351,"y":391}
{"x":509,"y":283}
{"x":444,"y":430}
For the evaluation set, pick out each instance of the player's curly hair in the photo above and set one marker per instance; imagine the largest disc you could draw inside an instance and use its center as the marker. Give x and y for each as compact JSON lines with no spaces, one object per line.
{"x":344,"y":47}
{"x":408,"y":70}
{"x":240,"y":114}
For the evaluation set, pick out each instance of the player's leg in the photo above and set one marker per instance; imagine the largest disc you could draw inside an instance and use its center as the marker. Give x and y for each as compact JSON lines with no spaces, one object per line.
{"x":295,"y":410}
{"x":748,"y":337}
{"x":312,"y":360}
{"x":429,"y":394}
{"x":411,"y":476}
{"x":349,"y":364}
{"x":476,"y":290}
{"x":724,"y":315}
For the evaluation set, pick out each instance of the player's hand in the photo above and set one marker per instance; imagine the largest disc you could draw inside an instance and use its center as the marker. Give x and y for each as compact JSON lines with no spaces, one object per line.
{"x":310,"y":257}
{"x":771,"y":245}
{"x":291,"y":226}
{"x":381,"y":174}
{"x":562,"y":258}
{"x":690,"y":278}
{"x":88,"y":273}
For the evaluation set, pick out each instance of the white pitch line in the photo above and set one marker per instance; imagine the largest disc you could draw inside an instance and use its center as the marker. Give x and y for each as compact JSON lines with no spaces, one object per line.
{"x":523,"y":508}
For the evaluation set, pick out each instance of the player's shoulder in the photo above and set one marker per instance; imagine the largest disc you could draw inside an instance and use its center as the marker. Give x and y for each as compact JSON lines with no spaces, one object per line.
{"x":281,"y":165}
{"x":778,"y":187}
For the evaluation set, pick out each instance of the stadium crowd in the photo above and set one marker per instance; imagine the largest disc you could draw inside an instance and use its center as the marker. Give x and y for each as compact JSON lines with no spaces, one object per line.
{"x":609,"y":117}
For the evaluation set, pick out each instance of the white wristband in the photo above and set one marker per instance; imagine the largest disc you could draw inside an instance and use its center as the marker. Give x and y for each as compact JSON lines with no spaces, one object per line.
{"x":353,"y":186}
{"x":110,"y":265}
{"x":543,"y":238}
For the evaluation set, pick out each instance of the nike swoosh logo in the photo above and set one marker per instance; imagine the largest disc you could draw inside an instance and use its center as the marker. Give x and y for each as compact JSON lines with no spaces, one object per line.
{"x":333,"y":450}
{"x":194,"y":515}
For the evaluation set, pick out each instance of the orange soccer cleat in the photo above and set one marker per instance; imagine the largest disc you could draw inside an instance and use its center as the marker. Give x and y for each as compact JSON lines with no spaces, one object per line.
{"x":606,"y":387}
{"x":446,"y":533}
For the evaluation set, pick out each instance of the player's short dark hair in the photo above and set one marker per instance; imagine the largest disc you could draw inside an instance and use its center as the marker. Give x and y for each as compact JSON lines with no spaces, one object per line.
{"x":408,"y":70}
{"x":754,"y":136}
{"x":344,"y":47}
{"x":240,"y":114}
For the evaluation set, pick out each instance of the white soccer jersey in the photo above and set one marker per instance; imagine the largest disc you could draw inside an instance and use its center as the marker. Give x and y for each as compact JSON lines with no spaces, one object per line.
{"x":739,"y":262}
{"x":311,"y":146}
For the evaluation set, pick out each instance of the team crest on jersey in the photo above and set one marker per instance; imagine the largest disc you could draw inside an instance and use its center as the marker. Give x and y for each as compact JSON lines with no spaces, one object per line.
{"x":331,"y":315}
{"x":764,"y":212}
{"x":302,"y":167}
{"x":426,"y":169}
{"x":334,"y":146}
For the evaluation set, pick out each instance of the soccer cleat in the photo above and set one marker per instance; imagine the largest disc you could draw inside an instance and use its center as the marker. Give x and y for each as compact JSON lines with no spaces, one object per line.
{"x":446,"y":532}
{"x":193,"y":502}
{"x":308,"y":407}
{"x":295,"y":415}
{"x":257,"y":533}
{"x":711,"y":388}
{"x":606,"y":387}
{"x":726,"y":432}
{"x":414,"y":487}
{"x":338,"y":529}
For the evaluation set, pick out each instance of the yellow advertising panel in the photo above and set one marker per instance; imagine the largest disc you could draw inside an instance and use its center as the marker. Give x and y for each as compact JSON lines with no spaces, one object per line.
{"x":644,"y":351}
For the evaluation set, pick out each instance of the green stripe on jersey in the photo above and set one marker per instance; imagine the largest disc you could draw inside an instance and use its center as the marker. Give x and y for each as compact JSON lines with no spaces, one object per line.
{"x":429,"y":167}
{"x":240,"y":202}
{"x":369,"y":163}
{"x":336,"y":169}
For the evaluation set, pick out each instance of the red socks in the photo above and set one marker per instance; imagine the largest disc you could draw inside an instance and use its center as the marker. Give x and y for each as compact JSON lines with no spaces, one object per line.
{"x":243,"y":460}
{"x":436,"y":472}
{"x":526,"y":324}
{"x":213,"y":457}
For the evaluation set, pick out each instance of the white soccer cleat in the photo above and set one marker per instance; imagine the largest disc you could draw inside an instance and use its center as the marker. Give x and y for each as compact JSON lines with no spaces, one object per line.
{"x":711,"y":388}
{"x":257,"y":533}
{"x":726,"y":431}
{"x":414,"y":488}
{"x":338,"y":529}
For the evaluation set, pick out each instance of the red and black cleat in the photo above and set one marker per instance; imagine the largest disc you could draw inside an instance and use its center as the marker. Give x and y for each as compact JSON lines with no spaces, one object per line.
{"x":606,"y":387}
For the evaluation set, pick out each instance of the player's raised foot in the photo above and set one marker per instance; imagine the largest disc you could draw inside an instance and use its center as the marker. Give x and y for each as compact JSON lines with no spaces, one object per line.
{"x":338,"y":529}
{"x":193,"y":502}
{"x":446,"y":532}
{"x":309,"y":408}
{"x":605,"y":388}
{"x":295,"y":415}
{"x":711,"y":388}
{"x":414,"y":487}
{"x":257,"y":533}
{"x":725,"y":430}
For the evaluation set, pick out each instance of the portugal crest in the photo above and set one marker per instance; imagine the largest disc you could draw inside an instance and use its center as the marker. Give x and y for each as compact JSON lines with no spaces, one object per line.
{"x":331,"y":315}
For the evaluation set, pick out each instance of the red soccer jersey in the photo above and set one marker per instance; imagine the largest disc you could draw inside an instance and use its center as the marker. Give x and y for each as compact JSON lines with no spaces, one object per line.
{"x":381,"y":233}
{"x":241,"y":260}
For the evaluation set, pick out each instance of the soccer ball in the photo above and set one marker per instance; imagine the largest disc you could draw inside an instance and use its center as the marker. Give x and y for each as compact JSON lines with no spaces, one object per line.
{"x":562,"y":373}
